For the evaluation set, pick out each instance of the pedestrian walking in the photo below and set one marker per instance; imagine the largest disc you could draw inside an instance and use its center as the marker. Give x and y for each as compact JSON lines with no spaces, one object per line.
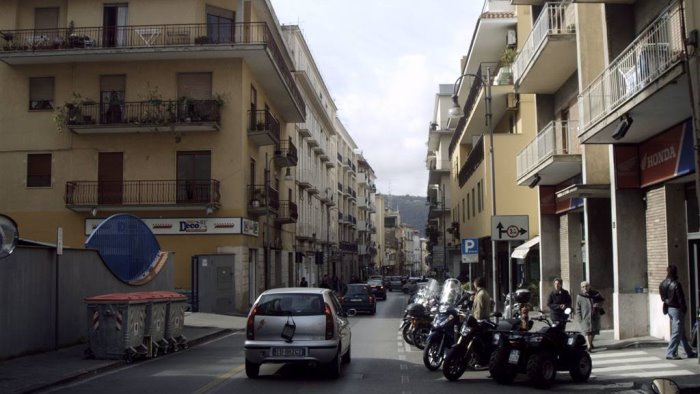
{"x":303,"y":282}
{"x":672,"y":296}
{"x":559,"y":299}
{"x":589,"y":308}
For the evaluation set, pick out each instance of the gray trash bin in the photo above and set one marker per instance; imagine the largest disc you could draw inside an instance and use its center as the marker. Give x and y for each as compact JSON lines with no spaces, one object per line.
{"x":175,"y":320}
{"x":154,"y":332}
{"x":116,"y":325}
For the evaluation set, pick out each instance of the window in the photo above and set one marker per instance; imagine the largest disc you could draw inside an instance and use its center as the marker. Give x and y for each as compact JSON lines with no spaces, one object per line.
{"x":473,"y":202}
{"x":480,"y":195}
{"x":39,"y":170}
{"x":462,"y":210}
{"x":41,"y":93}
{"x":220,"y":26}
{"x":466,"y":207}
{"x":193,"y":177}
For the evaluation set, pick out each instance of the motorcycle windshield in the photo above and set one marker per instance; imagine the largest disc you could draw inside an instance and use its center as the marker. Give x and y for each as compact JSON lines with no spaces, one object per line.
{"x":432,"y":288}
{"x":451,"y":292}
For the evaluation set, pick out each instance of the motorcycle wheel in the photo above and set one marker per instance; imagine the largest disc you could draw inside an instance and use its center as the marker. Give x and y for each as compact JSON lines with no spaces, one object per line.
{"x":581,"y":366}
{"x":420,"y":337}
{"x":407,"y":334}
{"x":455,"y":363}
{"x":500,"y":370}
{"x":541,"y":369}
{"x":432,"y":356}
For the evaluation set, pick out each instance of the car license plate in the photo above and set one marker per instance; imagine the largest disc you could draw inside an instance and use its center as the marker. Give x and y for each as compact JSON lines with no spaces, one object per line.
{"x":356,"y":299}
{"x":289,"y":351}
{"x":514,"y":356}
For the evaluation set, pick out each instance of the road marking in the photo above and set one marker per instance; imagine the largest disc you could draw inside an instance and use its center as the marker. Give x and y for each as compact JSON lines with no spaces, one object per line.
{"x":625,"y":360}
{"x":219,"y":380}
{"x":405,"y":379}
{"x":401,"y":350}
{"x":633,"y":367}
{"x":618,"y":354}
{"x":658,"y":374}
{"x":402,"y":357}
{"x":404,"y":367}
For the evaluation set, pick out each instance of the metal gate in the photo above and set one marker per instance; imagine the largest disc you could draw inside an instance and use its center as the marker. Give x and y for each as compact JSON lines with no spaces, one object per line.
{"x":213,"y":283}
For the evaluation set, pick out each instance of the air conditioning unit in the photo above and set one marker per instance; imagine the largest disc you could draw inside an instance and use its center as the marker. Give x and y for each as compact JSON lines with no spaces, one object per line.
{"x":512,"y":102}
{"x":511,"y":38}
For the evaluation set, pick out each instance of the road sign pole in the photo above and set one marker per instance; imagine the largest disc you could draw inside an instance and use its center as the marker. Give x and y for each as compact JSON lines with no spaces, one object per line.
{"x":510,"y":280}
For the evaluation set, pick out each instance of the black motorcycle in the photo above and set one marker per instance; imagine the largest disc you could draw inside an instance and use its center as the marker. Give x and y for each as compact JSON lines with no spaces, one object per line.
{"x":540,"y":355}
{"x":415,"y":324}
{"x":475,"y":345}
{"x":442,"y":330}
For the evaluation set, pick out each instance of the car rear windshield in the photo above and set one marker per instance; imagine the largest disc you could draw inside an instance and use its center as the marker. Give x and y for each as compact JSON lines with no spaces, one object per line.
{"x":357,"y":290}
{"x":291,"y":305}
{"x":373,"y":282}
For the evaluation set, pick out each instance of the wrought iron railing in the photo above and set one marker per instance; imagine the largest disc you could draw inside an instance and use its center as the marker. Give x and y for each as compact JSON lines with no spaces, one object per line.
{"x":557,"y":138}
{"x":476,"y":157}
{"x":288,"y":150}
{"x":151,"y":36}
{"x":262,"y":196}
{"x":555,"y":19}
{"x":144,"y":113}
{"x":288,"y":210}
{"x":656,"y":50}
{"x":142,"y":193}
{"x":262,"y":120}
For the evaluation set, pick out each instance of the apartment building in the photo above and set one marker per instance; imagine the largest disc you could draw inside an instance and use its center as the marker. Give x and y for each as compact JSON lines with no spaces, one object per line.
{"x":347,"y":205}
{"x":184,"y":114}
{"x":366,"y":215}
{"x":392,"y":241}
{"x":497,"y":122}
{"x":377,"y":236}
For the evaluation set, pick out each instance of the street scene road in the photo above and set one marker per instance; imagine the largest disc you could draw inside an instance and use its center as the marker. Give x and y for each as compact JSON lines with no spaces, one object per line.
{"x":381,"y":363}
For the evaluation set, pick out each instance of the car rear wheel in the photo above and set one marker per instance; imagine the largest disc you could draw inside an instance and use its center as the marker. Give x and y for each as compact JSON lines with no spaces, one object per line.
{"x":252,"y":370}
{"x":333,"y":367}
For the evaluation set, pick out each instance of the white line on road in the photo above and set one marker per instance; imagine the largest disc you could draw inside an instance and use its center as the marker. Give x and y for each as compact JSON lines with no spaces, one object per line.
{"x":404,"y":367}
{"x":633,"y":367}
{"x":405,"y":379}
{"x":402,"y":357}
{"x":596,"y":356}
{"x":625,"y":360}
{"x":658,"y":374}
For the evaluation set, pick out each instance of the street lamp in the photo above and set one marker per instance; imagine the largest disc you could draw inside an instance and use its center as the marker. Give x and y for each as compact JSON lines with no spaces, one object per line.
{"x":456,"y":112}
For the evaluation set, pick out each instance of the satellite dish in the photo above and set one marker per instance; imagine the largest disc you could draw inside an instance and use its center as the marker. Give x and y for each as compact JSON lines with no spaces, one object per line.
{"x":128,"y":247}
{"x":8,"y":236}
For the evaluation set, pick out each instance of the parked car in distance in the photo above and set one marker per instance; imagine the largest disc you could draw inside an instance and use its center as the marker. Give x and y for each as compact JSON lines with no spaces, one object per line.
{"x":377,"y":288}
{"x":411,"y":285}
{"x":371,"y":277}
{"x":358,"y":298}
{"x":395,"y":283}
{"x":297,"y":325}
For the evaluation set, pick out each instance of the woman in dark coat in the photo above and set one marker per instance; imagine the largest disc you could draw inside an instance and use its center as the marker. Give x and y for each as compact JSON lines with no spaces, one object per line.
{"x":588,"y":311}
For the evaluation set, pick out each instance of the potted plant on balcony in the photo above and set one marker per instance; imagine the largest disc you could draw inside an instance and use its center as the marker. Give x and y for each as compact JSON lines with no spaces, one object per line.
{"x":258,"y":197}
{"x":201,"y":40}
{"x":505,"y":73}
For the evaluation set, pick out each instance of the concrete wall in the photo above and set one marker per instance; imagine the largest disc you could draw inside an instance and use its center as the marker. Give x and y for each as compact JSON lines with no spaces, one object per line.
{"x":35,"y":317}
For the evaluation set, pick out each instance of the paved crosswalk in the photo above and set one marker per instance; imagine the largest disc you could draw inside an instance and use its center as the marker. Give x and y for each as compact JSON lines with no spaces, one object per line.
{"x":634,"y":364}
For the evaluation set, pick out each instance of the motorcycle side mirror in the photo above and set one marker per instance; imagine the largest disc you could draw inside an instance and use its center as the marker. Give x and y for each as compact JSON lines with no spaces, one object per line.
{"x":664,"y":386}
{"x":567,"y":311}
{"x":9,"y":236}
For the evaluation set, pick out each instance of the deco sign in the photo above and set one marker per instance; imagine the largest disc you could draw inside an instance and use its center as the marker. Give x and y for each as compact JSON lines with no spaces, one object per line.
{"x":183,"y":226}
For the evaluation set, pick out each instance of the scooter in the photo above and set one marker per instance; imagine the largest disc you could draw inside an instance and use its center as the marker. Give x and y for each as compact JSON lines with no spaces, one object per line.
{"x":442,"y":332}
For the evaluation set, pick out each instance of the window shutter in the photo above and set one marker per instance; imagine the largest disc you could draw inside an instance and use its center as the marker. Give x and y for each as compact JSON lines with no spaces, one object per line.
{"x":41,"y":89}
{"x":39,"y":170}
{"x":194,"y":85}
{"x":46,"y":18}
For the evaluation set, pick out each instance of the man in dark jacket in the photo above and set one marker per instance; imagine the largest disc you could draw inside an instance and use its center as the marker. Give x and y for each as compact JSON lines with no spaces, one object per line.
{"x":559,"y":299}
{"x":672,"y":296}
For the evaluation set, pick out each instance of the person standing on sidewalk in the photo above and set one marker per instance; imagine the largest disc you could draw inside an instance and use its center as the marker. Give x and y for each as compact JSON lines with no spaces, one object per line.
{"x":672,"y":296}
{"x":482,"y":300}
{"x":588,"y":311}
{"x":559,"y":299}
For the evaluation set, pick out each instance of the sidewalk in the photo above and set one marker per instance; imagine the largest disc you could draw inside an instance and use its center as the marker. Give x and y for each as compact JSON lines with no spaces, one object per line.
{"x":38,"y":372}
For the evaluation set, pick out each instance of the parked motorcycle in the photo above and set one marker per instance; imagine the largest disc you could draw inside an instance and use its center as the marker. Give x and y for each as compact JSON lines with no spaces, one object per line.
{"x":475,"y":344}
{"x":540,"y":355}
{"x":417,"y":316}
{"x":442,"y":332}
{"x":515,"y":301}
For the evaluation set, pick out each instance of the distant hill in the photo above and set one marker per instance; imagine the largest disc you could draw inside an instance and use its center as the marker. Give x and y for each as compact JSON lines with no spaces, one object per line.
{"x":413,"y":210}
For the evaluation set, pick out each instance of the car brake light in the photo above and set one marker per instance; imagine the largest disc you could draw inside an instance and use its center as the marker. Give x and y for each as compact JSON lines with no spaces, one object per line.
{"x":250,"y":325}
{"x":330,"y":326}
{"x":371,"y":299}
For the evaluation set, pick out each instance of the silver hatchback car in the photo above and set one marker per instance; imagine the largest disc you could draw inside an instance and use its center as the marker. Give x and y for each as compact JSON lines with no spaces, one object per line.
{"x":297,"y":325}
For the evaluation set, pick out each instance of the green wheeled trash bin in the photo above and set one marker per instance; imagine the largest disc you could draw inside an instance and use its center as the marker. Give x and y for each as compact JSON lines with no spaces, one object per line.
{"x":175,"y":320}
{"x":116,"y":326}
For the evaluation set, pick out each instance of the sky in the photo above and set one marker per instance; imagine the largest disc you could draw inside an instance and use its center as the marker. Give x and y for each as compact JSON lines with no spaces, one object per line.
{"x":382,"y":61}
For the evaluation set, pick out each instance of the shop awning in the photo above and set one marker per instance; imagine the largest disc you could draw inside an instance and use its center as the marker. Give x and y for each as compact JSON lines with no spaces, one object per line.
{"x":521,"y":251}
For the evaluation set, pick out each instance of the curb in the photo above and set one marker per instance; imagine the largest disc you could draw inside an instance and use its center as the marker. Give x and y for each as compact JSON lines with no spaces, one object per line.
{"x":635,"y":344}
{"x":120,"y":363}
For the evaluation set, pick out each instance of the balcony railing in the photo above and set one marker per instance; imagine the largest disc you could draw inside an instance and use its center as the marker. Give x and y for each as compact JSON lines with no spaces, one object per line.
{"x":288,"y":212}
{"x":656,"y":50}
{"x":181,"y":192}
{"x":151,"y":36}
{"x":144,"y":113}
{"x":262,"y":198}
{"x":555,"y":18}
{"x":262,"y":122}
{"x":340,"y":157}
{"x":286,"y":154}
{"x":476,"y":157}
{"x":557,"y":138}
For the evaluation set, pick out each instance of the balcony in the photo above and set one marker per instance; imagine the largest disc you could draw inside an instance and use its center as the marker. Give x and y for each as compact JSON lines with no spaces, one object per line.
{"x":474,"y":160}
{"x":340,"y":187}
{"x":83,"y":196}
{"x":286,"y":154}
{"x":540,"y":2}
{"x":341,"y":218}
{"x":362,"y":204}
{"x":330,"y":163}
{"x":548,"y":57}
{"x":553,"y":156}
{"x":252,"y":41}
{"x":288,"y":212}
{"x":340,"y":158}
{"x":304,"y":178}
{"x":346,"y":246}
{"x":305,"y":231}
{"x":263,"y":128}
{"x":647,"y":81}
{"x":262,"y":200}
{"x":437,"y":169}
{"x":184,"y":115}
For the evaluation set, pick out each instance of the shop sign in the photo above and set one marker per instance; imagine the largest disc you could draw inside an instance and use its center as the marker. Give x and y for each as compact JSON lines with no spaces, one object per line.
{"x":667,"y":155}
{"x":182,"y":226}
{"x":250,"y":227}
